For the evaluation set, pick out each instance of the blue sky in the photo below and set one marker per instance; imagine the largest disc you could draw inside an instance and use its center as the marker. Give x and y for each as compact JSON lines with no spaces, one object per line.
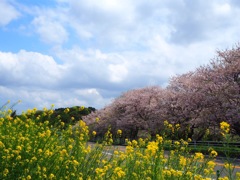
{"x":75,"y":52}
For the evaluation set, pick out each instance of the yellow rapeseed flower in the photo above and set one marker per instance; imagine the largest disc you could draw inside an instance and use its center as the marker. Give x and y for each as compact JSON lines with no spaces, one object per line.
{"x":82,"y":124}
{"x":228,"y":166}
{"x":134,"y":143}
{"x":48,"y":153}
{"x":207,"y":132}
{"x":159,"y":139}
{"x":63,"y":152}
{"x":18,"y":158}
{"x":225,"y":127}
{"x":119,"y":132}
{"x":122,"y":155}
{"x":129,"y":149}
{"x":50,"y":112}
{"x":213,"y":153}
{"x":97,"y":119}
{"x":177,"y":126}
{"x":176,"y":143}
{"x":198,"y":177}
{"x":211,"y":164}
{"x":182,"y":161}
{"x":34,"y":158}
{"x":206,"y":171}
{"x":2,"y":144}
{"x":9,"y":111}
{"x":189,"y":173}
{"x":48,"y":133}
{"x":165,"y":123}
{"x":238,"y":175}
{"x":75,"y":163}
{"x":137,"y":163}
{"x":40,"y":151}
{"x":66,"y":110}
{"x":100,"y":172}
{"x":119,"y":172}
{"x":51,"y":176}
{"x":152,"y":148}
{"x":94,"y":133}
{"x":70,"y":146}
{"x":19,"y":148}
{"x":199,"y":155}
{"x":81,"y":108}
{"x":167,"y":172}
{"x":5,"y":172}
{"x":141,"y":142}
{"x":9,"y":118}
{"x":223,"y":178}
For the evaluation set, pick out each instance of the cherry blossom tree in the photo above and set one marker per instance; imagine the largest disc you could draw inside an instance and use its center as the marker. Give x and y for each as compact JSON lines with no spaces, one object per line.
{"x":210,"y":94}
{"x":197,"y":100}
{"x":134,"y":110}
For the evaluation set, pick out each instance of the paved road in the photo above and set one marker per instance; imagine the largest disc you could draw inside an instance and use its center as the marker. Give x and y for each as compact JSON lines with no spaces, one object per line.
{"x":220,"y":161}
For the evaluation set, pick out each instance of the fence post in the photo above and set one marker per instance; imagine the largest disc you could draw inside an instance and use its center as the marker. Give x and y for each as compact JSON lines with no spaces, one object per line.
{"x":218,"y":174}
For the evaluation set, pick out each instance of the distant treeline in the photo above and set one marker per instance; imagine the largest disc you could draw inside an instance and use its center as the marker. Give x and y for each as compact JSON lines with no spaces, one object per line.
{"x":67,"y":115}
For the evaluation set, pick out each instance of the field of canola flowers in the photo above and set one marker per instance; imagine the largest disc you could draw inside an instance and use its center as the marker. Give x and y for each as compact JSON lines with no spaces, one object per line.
{"x":32,"y":149}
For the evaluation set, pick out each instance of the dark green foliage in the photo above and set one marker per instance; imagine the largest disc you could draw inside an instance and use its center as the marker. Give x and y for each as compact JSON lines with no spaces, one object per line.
{"x":61,"y":115}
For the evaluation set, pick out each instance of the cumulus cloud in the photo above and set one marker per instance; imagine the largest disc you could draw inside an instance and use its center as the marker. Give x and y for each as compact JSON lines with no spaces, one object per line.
{"x":28,"y":69}
{"x":222,"y":9}
{"x":50,"y":31}
{"x":199,"y":21}
{"x":39,"y":81}
{"x":99,"y":49}
{"x":118,"y":73}
{"x":7,"y":13}
{"x":50,"y":25}
{"x":120,"y":25}
{"x":41,"y":97}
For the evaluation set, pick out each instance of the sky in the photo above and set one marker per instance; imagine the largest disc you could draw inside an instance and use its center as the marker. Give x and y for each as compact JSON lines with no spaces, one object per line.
{"x":74,"y":52}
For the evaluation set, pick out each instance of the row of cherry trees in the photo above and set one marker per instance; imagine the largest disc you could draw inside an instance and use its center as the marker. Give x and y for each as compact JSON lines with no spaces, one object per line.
{"x":197,"y":100}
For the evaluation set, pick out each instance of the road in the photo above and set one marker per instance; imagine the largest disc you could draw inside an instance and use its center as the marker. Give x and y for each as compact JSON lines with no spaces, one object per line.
{"x":220,"y":161}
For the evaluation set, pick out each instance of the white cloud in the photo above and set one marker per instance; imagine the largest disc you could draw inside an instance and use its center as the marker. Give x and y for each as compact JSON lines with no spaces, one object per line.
{"x":29,"y":68}
{"x":51,"y":31}
{"x":118,"y":72}
{"x":40,"y":98}
{"x":114,"y":8}
{"x":99,"y":49}
{"x":90,"y":97}
{"x":222,"y":9}
{"x":103,"y":22}
{"x":7,"y":13}
{"x":94,"y":68}
{"x":85,"y":92}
